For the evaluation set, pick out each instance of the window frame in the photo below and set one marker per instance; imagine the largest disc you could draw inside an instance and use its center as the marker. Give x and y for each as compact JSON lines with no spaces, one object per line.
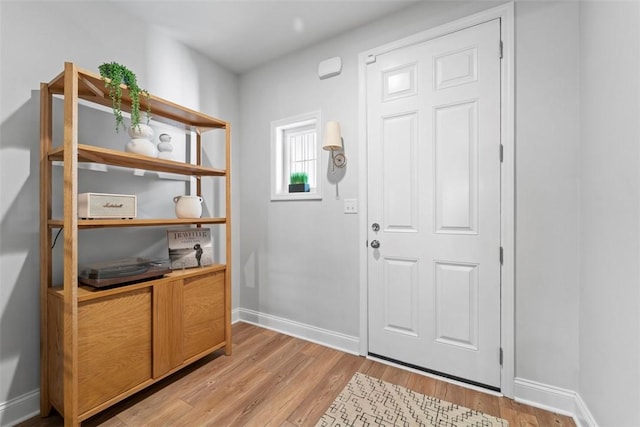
{"x":279,"y":183}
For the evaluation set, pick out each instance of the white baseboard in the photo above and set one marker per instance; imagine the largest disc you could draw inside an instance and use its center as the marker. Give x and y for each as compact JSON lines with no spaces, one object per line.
{"x":20,"y":409}
{"x":583,"y":416}
{"x":342,"y":342}
{"x":554,"y":399}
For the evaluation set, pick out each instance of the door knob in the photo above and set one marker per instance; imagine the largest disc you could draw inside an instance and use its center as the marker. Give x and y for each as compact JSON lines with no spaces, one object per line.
{"x":375,"y":244}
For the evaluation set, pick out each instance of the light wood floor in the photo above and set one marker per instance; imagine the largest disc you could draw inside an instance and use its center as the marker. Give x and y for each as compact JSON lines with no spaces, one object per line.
{"x":276,"y":380}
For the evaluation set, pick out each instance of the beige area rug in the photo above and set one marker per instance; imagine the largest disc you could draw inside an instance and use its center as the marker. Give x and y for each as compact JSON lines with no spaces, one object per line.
{"x":367,"y":401}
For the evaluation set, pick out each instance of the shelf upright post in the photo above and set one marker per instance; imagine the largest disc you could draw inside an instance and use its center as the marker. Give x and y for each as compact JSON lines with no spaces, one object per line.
{"x":70,"y":312}
{"x":227,"y":282}
{"x":199,"y":163}
{"x":46,"y":135}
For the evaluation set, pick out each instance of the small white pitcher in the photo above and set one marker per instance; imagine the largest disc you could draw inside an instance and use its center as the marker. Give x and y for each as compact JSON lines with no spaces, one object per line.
{"x":188,"y":206}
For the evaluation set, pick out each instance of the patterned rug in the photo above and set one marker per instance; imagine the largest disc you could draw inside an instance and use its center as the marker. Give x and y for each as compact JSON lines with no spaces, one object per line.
{"x":367,"y":401}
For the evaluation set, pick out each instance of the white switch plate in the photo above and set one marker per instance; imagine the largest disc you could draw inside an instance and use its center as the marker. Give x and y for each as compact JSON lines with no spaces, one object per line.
{"x":350,"y":206}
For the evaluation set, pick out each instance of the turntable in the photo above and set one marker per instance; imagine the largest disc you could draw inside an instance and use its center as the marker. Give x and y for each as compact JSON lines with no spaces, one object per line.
{"x":122,"y":272}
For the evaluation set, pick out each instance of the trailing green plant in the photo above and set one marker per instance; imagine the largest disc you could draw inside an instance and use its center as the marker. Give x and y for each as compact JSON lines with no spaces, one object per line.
{"x":298,"y":178}
{"x":114,"y":75}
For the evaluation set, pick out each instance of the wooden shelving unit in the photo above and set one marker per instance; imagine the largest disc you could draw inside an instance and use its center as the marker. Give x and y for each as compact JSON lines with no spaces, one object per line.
{"x":101,"y":346}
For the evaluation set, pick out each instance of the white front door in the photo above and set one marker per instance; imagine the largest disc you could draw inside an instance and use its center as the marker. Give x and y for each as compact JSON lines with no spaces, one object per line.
{"x":433,"y":144}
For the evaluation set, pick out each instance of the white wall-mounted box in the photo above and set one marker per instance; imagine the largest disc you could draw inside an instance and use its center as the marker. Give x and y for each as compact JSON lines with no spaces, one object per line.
{"x":330,"y":67}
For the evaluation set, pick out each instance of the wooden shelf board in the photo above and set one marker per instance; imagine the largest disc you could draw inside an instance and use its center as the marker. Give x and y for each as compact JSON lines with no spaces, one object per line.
{"x":110,"y":223}
{"x":93,"y":154}
{"x":86,"y":293}
{"x":92,"y":88}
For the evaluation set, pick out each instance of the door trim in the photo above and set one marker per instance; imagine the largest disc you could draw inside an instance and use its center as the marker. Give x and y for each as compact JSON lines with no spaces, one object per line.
{"x":507,"y":192}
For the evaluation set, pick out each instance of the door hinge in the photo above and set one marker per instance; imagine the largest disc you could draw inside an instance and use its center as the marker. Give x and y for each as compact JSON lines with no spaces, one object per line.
{"x":501,"y":153}
{"x":501,"y":256}
{"x":370,"y":59}
{"x":501,"y":47}
{"x":501,"y":356}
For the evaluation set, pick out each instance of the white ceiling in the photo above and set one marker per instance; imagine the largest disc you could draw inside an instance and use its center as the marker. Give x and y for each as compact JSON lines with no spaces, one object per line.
{"x":242,"y":34}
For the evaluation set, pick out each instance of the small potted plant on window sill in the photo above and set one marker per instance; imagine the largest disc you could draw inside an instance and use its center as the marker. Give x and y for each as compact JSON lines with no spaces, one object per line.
{"x":298,"y":182}
{"x":114,"y":75}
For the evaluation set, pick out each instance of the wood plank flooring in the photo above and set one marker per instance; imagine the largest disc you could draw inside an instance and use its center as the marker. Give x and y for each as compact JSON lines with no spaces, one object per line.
{"x":277,"y":380}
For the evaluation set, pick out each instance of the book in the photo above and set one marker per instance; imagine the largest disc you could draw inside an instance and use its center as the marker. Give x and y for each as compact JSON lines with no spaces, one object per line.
{"x":189,"y":247}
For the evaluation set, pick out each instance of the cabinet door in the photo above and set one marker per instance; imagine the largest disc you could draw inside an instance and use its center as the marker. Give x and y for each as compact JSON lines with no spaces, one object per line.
{"x":114,"y":346}
{"x":167,"y":327}
{"x":203,"y":316}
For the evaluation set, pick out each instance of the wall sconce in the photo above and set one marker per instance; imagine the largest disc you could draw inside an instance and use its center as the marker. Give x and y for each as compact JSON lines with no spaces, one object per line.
{"x":333,"y":142}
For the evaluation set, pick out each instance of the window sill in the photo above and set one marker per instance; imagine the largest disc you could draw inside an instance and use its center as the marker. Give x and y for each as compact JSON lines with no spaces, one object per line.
{"x":295,"y":196}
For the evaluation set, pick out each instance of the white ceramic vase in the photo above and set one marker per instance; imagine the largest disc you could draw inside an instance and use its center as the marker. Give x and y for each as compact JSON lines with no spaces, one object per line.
{"x":140,"y":143}
{"x":188,"y":206}
{"x":165,"y":147}
{"x":141,"y":131}
{"x":141,"y":146}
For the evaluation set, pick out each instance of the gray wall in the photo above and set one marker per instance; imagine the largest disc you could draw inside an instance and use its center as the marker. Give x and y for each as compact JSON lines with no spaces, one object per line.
{"x":547,"y":173}
{"x":300,"y":259}
{"x":610,"y":211}
{"x":316,"y":282}
{"x":36,"y":39}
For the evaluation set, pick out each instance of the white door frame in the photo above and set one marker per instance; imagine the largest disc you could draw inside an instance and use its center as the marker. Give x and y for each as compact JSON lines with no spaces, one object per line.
{"x":507,"y":192}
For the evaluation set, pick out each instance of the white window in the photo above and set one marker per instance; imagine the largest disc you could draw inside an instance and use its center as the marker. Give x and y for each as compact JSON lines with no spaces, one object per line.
{"x":296,"y":154}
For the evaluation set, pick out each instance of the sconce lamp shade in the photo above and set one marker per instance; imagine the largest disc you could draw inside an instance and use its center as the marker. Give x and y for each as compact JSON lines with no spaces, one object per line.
{"x":332,"y":137}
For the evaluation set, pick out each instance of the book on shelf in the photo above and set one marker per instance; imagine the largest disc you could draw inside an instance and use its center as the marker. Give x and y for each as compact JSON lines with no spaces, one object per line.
{"x":189,"y":247}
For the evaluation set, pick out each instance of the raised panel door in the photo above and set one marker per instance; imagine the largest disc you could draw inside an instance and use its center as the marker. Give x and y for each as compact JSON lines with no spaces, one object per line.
{"x":433,"y":153}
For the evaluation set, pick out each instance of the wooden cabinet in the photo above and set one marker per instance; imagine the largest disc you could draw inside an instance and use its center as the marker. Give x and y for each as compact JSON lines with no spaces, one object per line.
{"x":101,"y":346}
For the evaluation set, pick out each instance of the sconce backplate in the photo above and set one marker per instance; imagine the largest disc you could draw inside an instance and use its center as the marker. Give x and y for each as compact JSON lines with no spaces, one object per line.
{"x":340,"y":160}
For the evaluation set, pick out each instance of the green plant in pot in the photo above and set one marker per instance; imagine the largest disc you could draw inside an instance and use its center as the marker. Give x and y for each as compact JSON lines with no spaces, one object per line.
{"x":298,"y":182}
{"x":114,"y":75}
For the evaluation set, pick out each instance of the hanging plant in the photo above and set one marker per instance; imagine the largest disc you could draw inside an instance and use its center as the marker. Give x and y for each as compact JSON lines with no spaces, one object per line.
{"x":114,"y":75}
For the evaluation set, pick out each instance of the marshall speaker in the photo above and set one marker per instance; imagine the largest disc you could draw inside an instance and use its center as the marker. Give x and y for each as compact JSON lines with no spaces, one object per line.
{"x":100,"y":205}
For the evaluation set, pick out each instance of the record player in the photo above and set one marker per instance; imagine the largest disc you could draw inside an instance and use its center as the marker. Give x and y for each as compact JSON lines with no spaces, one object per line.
{"x":122,"y":272}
